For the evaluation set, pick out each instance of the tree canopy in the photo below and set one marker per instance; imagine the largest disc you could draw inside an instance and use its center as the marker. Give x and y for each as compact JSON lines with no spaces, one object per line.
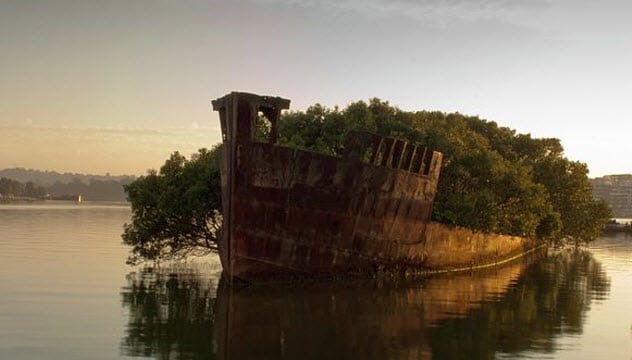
{"x":175,"y":211}
{"x":492,"y":179}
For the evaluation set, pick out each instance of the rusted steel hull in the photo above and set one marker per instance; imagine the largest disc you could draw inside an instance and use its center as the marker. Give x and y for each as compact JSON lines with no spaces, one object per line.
{"x":297,"y":212}
{"x":289,"y":212}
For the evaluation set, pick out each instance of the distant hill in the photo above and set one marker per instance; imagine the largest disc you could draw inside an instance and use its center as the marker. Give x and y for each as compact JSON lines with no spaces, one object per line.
{"x":92,"y":187}
{"x":46,"y":178}
{"x":616,"y":190}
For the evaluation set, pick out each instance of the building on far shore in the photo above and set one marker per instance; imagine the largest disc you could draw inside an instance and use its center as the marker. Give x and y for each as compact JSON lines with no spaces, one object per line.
{"x":616,"y":190}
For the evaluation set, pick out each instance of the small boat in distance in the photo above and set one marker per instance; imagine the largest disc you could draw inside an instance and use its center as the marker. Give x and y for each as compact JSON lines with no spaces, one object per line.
{"x":289,"y":212}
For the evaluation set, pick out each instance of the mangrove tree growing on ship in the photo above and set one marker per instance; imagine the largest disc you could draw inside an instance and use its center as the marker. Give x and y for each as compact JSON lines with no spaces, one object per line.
{"x":175,"y":211}
{"x":492,"y":180}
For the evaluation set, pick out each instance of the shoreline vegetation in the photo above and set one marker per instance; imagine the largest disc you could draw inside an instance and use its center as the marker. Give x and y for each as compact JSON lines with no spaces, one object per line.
{"x":33,"y":185}
{"x":26,"y":199}
{"x":57,"y":202}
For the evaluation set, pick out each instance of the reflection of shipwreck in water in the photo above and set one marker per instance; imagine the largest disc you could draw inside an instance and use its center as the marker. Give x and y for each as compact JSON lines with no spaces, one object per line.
{"x":365,"y":320}
{"x":290,"y":212}
{"x":518,"y":307}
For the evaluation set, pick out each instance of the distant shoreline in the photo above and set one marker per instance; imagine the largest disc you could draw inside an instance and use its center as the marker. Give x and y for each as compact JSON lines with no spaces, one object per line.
{"x":27,"y":201}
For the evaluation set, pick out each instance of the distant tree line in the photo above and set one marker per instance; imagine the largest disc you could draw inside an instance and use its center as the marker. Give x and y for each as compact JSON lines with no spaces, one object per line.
{"x":492,"y":179}
{"x":94,"y":190}
{"x":47,"y":178}
{"x":15,"y":189}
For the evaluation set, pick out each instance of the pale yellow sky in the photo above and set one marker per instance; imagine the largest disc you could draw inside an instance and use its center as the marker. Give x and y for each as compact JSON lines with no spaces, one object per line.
{"x":98,"y":150}
{"x":116,"y":86}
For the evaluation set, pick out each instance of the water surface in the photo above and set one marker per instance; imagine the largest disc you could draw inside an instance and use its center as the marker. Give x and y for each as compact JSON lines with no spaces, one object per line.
{"x":66,"y":293}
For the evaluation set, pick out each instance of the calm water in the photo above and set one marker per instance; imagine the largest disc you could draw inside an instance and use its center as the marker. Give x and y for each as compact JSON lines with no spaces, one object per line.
{"x":66,"y":293}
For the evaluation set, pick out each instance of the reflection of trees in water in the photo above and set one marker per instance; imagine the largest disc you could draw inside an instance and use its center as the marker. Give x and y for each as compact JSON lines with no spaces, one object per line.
{"x":549,"y":299}
{"x":175,"y":314}
{"x":171,"y":314}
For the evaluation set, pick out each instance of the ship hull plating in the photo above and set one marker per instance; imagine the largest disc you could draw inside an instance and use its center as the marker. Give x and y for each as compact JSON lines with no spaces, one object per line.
{"x":295,"y":213}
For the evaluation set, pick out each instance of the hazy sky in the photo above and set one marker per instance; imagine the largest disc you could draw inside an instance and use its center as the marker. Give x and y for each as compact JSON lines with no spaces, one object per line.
{"x":116,"y":86}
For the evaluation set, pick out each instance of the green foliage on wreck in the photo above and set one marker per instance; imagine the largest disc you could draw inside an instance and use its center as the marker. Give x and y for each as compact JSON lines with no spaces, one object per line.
{"x":175,"y":211}
{"x":492,"y":180}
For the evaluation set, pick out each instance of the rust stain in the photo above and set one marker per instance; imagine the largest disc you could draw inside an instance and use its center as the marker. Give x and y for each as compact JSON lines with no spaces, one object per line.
{"x":291,"y":212}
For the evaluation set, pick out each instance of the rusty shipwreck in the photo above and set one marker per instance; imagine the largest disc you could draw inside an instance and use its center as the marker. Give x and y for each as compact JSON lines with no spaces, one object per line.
{"x":288,"y":212}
